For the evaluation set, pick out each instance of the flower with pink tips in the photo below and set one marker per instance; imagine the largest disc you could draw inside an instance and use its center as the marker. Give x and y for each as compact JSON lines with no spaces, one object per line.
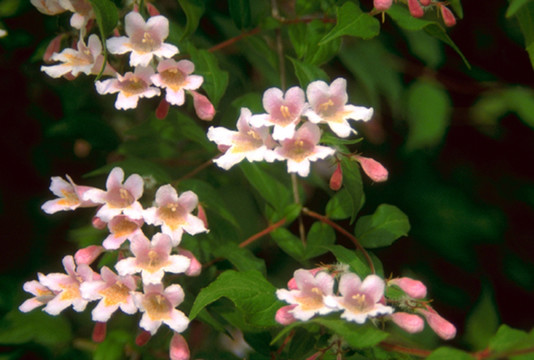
{"x":121,"y":228}
{"x":359,"y":300}
{"x":246,"y":143}
{"x":144,"y":40}
{"x":310,"y":295}
{"x":173,"y":213}
{"x":70,"y":196}
{"x":48,"y":7}
{"x":302,"y":148}
{"x":442,"y":327}
{"x":178,"y":348}
{"x":175,"y":77}
{"x":413,"y":288}
{"x":152,"y":259}
{"x":119,"y":198}
{"x":67,"y":286}
{"x":42,"y":294}
{"x":159,"y":306}
{"x":82,"y":12}
{"x":408,"y":322}
{"x":113,"y":291}
{"x":283,"y":111}
{"x":130,"y":86}
{"x":328,"y":104}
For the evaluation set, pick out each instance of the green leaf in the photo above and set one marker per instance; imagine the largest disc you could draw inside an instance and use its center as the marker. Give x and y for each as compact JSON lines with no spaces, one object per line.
{"x":37,"y":326}
{"x":349,"y":257}
{"x":515,"y":6}
{"x":193,"y":9}
{"x":428,"y":114}
{"x":240,"y":13}
{"x":525,"y":17}
{"x":509,"y":339}
{"x":339,"y":207}
{"x":456,"y":5}
{"x":113,"y":347}
{"x":352,"y":182}
{"x":327,"y":138}
{"x":289,"y":243}
{"x":447,"y":353}
{"x":382,"y":228}
{"x":483,"y":321}
{"x":249,"y":291}
{"x":215,"y":79}
{"x":242,"y":259}
{"x":107,"y":16}
{"x":306,"y":73}
{"x":305,"y":39}
{"x":352,"y":21}
{"x":357,"y":336}
{"x":320,"y":236}
{"x":272,"y":190}
{"x":191,"y":130}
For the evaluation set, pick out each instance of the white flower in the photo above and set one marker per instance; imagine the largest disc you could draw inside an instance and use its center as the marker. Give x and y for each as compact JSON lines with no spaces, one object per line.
{"x":175,"y":77}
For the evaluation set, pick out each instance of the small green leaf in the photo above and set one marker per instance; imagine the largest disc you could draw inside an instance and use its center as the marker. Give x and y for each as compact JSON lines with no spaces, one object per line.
{"x":215,"y":79}
{"x":509,"y":339}
{"x":456,"y":5}
{"x":447,"y":353}
{"x":193,"y":9}
{"x":352,"y":21}
{"x":306,"y":73}
{"x":339,"y":207}
{"x":352,"y":182}
{"x":515,"y":6}
{"x":289,"y":243}
{"x":242,"y":259}
{"x":272,"y":190}
{"x":37,"y":326}
{"x":319,"y":238}
{"x":240,"y":13}
{"x":483,"y":321}
{"x":382,"y":228}
{"x":349,"y":257}
{"x":357,"y":336}
{"x":249,"y":291}
{"x":107,"y":16}
{"x":113,"y":347}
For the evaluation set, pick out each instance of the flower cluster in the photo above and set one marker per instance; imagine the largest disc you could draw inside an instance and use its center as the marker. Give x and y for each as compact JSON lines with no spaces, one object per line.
{"x":137,"y":284}
{"x":294,"y":122}
{"x":311,"y":292}
{"x":417,"y":9}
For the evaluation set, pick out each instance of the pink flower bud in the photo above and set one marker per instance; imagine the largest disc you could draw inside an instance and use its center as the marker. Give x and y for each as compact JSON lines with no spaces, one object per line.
{"x":99,"y":332}
{"x":376,"y":171}
{"x":163,"y":109}
{"x":448,"y":16}
{"x":178,"y":349}
{"x":152,"y":11}
{"x":88,"y":255}
{"x":53,"y":47}
{"x":283,"y":316}
{"x":336,"y":180}
{"x":195,"y":267}
{"x":382,"y":5}
{"x":408,"y":322}
{"x":202,"y":215}
{"x":415,"y":8}
{"x":425,"y":2}
{"x":203,"y":107}
{"x":143,"y":338}
{"x":413,"y":288}
{"x":443,"y":328}
{"x":98,"y":223}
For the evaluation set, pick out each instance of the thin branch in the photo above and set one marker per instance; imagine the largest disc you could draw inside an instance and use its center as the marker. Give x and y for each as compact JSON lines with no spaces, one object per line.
{"x":196,"y":170}
{"x":405,"y":350}
{"x":234,"y":39}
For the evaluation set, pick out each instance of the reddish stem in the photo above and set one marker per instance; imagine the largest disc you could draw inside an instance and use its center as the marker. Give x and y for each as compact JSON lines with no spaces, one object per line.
{"x":405,"y":350}
{"x":234,"y":39}
{"x":286,"y":341}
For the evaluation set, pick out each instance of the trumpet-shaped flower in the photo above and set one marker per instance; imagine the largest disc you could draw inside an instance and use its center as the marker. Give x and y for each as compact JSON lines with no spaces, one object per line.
{"x":173,"y":213}
{"x":48,"y":7}
{"x":122,"y":228}
{"x":130,"y":87}
{"x":119,"y":198}
{"x":328,"y":104}
{"x":144,"y":40}
{"x":358,"y":299}
{"x":246,"y":143}
{"x":283,"y":111}
{"x":158,"y":306}
{"x":42,"y":294}
{"x":70,"y":196}
{"x":175,"y":77}
{"x":310,"y":295}
{"x":82,"y":9}
{"x":113,"y":291}
{"x":302,"y":148}
{"x":152,"y":259}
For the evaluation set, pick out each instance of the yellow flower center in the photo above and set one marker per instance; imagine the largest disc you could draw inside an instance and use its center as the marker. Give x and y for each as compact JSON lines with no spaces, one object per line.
{"x":312,"y":300}
{"x":70,"y":198}
{"x":116,"y":294}
{"x":173,"y":215}
{"x":157,"y":307}
{"x":133,"y":86}
{"x":173,"y":78}
{"x":123,"y":227}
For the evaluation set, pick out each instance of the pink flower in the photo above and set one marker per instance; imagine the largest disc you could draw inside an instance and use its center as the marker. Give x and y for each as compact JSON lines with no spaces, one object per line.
{"x":195,"y":267}
{"x":67,"y":287}
{"x":113,"y":291}
{"x":88,"y":254}
{"x":302,"y":148}
{"x":358,"y":299}
{"x":122,"y":228}
{"x":159,"y":305}
{"x":152,"y":259}
{"x":130,"y":87}
{"x":175,"y":77}
{"x":246,"y":143}
{"x":235,"y":343}
{"x":328,"y":105}
{"x":119,"y":198}
{"x":283,"y":111}
{"x":70,"y":196}
{"x":416,"y":10}
{"x":375,"y":170}
{"x":382,"y":5}
{"x":178,"y":349}
{"x":448,"y":17}
{"x":203,"y":106}
{"x":144,"y":41}
{"x":443,"y":328}
{"x":408,"y":322}
{"x":284,"y":316}
{"x":48,"y":7}
{"x":413,"y":288}
{"x":42,"y":294}
{"x":173,"y":213}
{"x":310,"y":295}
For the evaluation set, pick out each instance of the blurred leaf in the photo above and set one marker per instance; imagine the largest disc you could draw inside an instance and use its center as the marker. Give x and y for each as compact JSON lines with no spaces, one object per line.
{"x":509,"y":339}
{"x":114,"y":346}
{"x":193,"y":9}
{"x":240,"y":13}
{"x":306,"y":73}
{"x":382,"y":228}
{"x":515,"y":6}
{"x":290,"y":213}
{"x":191,"y":130}
{"x":428,"y":114}
{"x":352,"y":182}
{"x":357,"y":336}
{"x":302,"y":344}
{"x":483,"y":321}
{"x":448,"y":353}
{"x":249,"y":291}
{"x":457,"y":7}
{"x":327,"y":138}
{"x":272,"y":190}
{"x":107,"y":17}
{"x":426,"y":47}
{"x":305,"y":40}
{"x":242,"y":259}
{"x":215,"y":79}
{"x":352,"y":21}
{"x":339,"y":207}
{"x":349,"y":257}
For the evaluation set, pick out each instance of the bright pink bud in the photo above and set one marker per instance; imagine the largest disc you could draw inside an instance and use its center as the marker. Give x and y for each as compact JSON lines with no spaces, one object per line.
{"x":415,"y":8}
{"x":409,"y":322}
{"x":53,"y":47}
{"x":98,"y":223}
{"x":413,"y":288}
{"x":88,"y":255}
{"x":203,"y":107}
{"x":99,"y":332}
{"x":283,"y":316}
{"x":448,"y":16}
{"x":143,"y":338}
{"x":336,"y":180}
{"x":376,"y":171}
{"x":202,"y":215}
{"x":178,"y":349}
{"x":425,"y":2}
{"x":195,"y":267}
{"x":443,"y":328}
{"x":382,"y":5}
{"x":163,"y":109}
{"x":152,"y":9}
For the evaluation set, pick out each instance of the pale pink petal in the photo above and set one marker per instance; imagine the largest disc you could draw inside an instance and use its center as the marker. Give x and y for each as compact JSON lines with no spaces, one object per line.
{"x":149,"y":325}
{"x":166,"y":51}
{"x":30,"y":304}
{"x":302,"y":168}
{"x":178,"y":349}
{"x":221,"y":135}
{"x":349,"y":281}
{"x":175,"y":294}
{"x":194,"y":225}
{"x":159,"y":26}
{"x":134,"y":184}
{"x":127,"y":266}
{"x":134,"y":23}
{"x":188,"y":200}
{"x":166,"y":194}
{"x":118,"y":45}
{"x":272,"y":99}
{"x":178,"y":321}
{"x":174,"y":97}
{"x":102,"y":313}
{"x":373,"y":286}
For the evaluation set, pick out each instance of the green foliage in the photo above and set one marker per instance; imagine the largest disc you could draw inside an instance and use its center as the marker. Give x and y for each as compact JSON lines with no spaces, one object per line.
{"x":193,"y":9}
{"x":19,"y":328}
{"x":357,"y":336}
{"x":352,"y":21}
{"x":306,"y":73}
{"x":240,"y":12}
{"x":446,"y":353}
{"x":112,"y":348}
{"x":215,"y":78}
{"x":382,"y":228}
{"x":483,"y":321}
{"x":507,"y":340}
{"x":352,"y":182}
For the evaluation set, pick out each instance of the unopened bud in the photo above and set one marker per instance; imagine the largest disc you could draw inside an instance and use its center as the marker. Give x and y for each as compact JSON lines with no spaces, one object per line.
{"x":284,"y":316}
{"x":143,"y":338}
{"x":425,"y":2}
{"x":382,"y":5}
{"x":178,"y":349}
{"x":448,"y":16}
{"x":203,"y":107}
{"x":98,"y":223}
{"x":195,"y":267}
{"x":152,"y":11}
{"x":376,"y":171}
{"x":408,"y":322}
{"x":413,"y":288}
{"x":99,"y":332}
{"x":202,"y":215}
{"x":163,"y":109}
{"x":88,"y":255}
{"x":443,"y":328}
{"x":53,"y":47}
{"x":336,"y":180}
{"x":415,"y":8}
